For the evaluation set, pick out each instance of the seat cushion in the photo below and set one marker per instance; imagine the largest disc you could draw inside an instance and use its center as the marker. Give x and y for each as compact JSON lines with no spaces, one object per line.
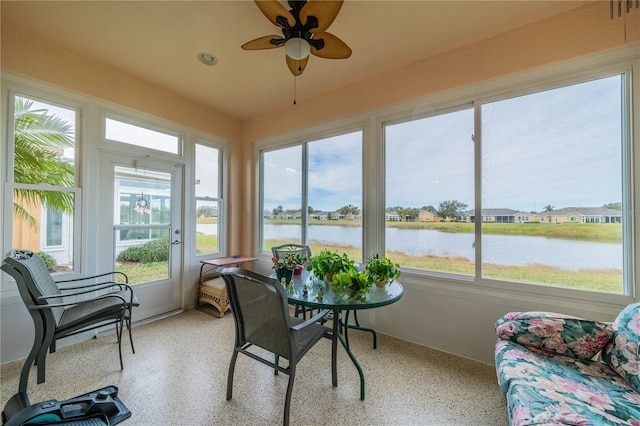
{"x":560,"y":390}
{"x":215,"y":283}
{"x":623,"y":354}
{"x":89,"y":313}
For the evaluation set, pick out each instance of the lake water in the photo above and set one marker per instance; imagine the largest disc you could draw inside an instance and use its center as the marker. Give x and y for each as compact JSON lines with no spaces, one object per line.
{"x":501,"y":249}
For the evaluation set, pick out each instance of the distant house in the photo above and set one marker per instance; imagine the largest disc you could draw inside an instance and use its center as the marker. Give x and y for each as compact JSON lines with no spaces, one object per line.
{"x":392,"y":216}
{"x":319,"y":216}
{"x":581,"y":215}
{"x":526,"y":217}
{"x":492,"y":215}
{"x":426,"y":216}
{"x":348,"y":216}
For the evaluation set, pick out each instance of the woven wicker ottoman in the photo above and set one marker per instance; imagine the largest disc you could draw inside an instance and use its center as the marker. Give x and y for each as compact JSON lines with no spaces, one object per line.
{"x":214,"y":293}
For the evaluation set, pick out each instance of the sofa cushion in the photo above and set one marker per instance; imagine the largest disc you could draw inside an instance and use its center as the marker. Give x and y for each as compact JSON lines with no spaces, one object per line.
{"x":552,"y":334}
{"x":623,"y":354}
{"x":561,"y":390}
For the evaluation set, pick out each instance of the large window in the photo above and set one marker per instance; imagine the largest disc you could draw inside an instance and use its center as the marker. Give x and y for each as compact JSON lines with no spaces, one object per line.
{"x":207,"y":199}
{"x":312,"y":194}
{"x":552,"y":188}
{"x":555,"y":157}
{"x":527,"y":185}
{"x":429,"y":191}
{"x":43,"y":178}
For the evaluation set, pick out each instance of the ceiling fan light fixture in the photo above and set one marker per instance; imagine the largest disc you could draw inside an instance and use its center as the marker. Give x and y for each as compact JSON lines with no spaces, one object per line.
{"x":297,"y":48}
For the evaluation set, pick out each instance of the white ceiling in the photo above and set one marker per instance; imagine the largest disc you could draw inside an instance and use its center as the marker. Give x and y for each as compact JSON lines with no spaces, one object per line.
{"x":159,"y":42}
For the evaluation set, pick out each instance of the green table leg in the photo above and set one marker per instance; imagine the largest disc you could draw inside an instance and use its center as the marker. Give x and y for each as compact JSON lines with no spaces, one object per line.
{"x":355,"y":362}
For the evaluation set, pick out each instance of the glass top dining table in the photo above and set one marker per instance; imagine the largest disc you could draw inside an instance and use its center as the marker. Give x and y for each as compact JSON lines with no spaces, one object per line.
{"x":341,"y":304}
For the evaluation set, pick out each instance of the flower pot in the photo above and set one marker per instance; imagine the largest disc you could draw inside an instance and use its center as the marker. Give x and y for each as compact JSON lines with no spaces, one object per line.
{"x":329,"y":277}
{"x":298,"y":270}
{"x":381,"y":284}
{"x":284,"y":273}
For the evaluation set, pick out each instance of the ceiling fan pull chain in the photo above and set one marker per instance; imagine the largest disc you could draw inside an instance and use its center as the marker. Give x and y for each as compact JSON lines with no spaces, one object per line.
{"x":294,"y":90}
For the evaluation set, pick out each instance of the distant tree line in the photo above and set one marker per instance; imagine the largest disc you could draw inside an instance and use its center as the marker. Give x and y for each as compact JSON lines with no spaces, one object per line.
{"x":446,"y":210}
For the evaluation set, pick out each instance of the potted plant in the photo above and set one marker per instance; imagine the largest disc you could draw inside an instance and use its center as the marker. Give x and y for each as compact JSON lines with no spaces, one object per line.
{"x":300,"y":261}
{"x":286,"y":265}
{"x":381,"y":269}
{"x":353,"y":283}
{"x":326,"y":263}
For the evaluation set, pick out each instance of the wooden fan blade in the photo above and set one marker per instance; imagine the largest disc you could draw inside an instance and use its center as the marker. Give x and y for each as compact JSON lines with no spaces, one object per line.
{"x":262,"y":43}
{"x":334,"y":48}
{"x":297,"y":66}
{"x":272,"y":9}
{"x":324,"y":10}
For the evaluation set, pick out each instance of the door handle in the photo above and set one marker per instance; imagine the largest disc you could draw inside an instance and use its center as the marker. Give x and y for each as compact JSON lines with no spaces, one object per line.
{"x":176,"y":242}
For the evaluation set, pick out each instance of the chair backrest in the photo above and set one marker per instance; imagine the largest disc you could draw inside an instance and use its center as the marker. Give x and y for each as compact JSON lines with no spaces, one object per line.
{"x":31,"y":273}
{"x":260,"y":310}
{"x":286,"y":249}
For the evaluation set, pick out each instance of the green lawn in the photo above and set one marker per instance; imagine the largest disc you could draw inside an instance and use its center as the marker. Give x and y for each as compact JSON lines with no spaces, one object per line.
{"x":603,"y":280}
{"x":600,"y":232}
{"x":592,"y":279}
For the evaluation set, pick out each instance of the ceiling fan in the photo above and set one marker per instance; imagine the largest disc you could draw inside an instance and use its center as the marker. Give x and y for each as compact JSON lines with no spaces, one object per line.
{"x":303,"y":29}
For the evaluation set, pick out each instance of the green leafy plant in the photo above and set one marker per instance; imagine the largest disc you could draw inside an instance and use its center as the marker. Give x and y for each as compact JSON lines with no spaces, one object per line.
{"x":329,"y":262}
{"x":381,"y":268}
{"x":153,"y":251}
{"x":289,"y":262}
{"x":353,"y":283}
{"x":49,"y":260}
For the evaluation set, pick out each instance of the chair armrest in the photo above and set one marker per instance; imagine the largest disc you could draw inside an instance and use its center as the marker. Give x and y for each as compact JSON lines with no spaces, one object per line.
{"x":552,"y":333}
{"x":312,"y":320}
{"x":126,"y":278}
{"x":86,"y":289}
{"x":80,"y":302}
{"x":96,"y":286}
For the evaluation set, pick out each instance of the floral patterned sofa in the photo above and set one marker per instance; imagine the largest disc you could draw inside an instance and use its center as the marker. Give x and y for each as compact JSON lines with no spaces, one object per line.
{"x":559,"y":370}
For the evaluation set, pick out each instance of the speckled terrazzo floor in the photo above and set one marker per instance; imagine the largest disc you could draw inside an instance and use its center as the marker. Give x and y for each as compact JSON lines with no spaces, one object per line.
{"x":178,"y":377}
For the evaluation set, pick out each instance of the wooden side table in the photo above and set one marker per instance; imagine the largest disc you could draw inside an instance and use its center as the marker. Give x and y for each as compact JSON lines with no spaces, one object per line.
{"x":211,"y":288}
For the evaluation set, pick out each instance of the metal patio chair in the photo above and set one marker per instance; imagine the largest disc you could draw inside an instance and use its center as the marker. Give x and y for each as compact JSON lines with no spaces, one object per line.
{"x":59,"y":312}
{"x":261,"y":316}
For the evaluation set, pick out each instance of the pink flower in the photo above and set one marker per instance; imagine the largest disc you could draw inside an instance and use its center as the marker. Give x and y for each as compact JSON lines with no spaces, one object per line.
{"x":634,"y":324}
{"x":506,"y":330}
{"x":632,"y":366}
{"x":520,"y":415}
{"x":587,"y":346}
{"x":601,"y":401}
{"x":621,"y":341}
{"x":556,"y":343}
{"x":566,"y":385}
{"x":513,"y":315}
{"x":633,"y":397}
{"x":545,"y":327}
{"x":571,"y":419}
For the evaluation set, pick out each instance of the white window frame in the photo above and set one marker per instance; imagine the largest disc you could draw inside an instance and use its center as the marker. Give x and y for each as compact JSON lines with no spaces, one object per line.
{"x":569,"y":72}
{"x":302,"y":139}
{"x":222,"y":147}
{"x":10,"y":92}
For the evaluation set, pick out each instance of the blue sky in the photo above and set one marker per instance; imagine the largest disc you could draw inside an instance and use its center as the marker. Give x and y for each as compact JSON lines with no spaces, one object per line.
{"x":559,"y":147}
